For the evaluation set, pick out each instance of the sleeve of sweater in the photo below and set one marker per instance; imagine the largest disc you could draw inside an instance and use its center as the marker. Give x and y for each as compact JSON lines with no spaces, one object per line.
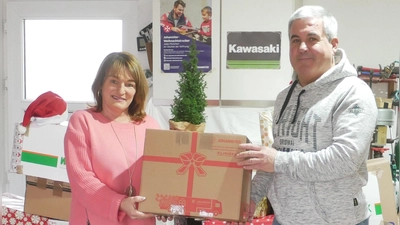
{"x":94,"y":195}
{"x":259,"y":185}
{"x":353,"y":124}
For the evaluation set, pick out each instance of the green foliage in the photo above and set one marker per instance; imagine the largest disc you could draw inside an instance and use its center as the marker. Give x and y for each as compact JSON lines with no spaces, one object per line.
{"x":190,"y":99}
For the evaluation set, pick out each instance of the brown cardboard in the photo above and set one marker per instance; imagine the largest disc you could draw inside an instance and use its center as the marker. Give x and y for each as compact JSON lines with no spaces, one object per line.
{"x":195,"y":175}
{"x":384,"y":102}
{"x":380,"y":167}
{"x":47,"y":198}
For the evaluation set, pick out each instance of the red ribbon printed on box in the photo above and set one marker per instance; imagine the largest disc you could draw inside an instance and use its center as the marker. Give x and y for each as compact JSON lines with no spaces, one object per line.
{"x":194,"y":160}
{"x":192,"y":163}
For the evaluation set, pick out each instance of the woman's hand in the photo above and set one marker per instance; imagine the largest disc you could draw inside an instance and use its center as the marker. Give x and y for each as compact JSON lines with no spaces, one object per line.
{"x":129,"y":206}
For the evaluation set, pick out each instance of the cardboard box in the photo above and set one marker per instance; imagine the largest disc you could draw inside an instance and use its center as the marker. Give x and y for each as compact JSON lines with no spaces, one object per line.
{"x":195,"y":175}
{"x":266,"y":220}
{"x":41,"y":153}
{"x":380,"y":193}
{"x":384,"y":102}
{"x":47,"y":198}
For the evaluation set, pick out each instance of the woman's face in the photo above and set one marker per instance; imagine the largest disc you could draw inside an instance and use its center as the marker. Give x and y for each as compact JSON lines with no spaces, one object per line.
{"x":118,"y":91}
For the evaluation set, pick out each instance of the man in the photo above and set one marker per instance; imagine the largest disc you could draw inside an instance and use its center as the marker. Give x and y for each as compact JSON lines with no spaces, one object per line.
{"x":323,"y":126}
{"x":176,"y":20}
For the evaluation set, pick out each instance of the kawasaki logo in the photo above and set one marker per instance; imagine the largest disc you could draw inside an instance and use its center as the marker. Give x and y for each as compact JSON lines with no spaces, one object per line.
{"x":233,"y":48}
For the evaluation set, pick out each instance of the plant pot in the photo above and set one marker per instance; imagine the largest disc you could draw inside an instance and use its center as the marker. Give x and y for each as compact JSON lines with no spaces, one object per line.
{"x":186,"y":126}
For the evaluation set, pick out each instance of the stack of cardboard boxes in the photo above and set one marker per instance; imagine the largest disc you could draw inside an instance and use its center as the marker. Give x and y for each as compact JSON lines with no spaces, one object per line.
{"x":39,"y":155}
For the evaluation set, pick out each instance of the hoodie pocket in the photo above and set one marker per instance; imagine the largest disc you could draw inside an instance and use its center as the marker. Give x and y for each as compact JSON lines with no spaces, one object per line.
{"x":318,"y":207}
{"x":334,"y":200}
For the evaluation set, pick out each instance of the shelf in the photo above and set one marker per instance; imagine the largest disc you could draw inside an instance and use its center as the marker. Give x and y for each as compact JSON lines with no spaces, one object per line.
{"x":377,"y":79}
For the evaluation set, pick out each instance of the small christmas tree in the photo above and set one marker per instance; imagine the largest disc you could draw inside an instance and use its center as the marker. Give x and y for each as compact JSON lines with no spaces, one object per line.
{"x":190,"y":100}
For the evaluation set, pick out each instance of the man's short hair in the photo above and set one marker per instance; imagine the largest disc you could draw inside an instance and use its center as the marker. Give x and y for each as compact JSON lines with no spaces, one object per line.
{"x":330,"y":26}
{"x":179,"y":2}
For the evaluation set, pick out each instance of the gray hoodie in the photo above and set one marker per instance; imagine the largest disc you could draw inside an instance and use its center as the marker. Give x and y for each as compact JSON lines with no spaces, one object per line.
{"x":323,"y":134}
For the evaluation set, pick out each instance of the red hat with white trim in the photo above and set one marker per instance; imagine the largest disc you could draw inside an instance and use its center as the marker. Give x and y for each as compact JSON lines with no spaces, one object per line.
{"x":48,"y":108}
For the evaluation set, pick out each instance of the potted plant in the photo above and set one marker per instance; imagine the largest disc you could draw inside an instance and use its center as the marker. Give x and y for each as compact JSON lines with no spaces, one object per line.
{"x":190,"y":100}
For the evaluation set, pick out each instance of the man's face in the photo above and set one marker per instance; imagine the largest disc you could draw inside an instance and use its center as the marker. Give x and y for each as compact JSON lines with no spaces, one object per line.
{"x":178,"y":11}
{"x":311,"y":54}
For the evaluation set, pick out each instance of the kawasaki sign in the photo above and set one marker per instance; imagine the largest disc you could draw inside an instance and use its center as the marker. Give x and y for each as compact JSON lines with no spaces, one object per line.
{"x":254,"y":50}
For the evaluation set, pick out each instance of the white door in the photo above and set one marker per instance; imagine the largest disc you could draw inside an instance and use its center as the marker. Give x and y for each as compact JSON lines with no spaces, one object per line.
{"x":25,"y":82}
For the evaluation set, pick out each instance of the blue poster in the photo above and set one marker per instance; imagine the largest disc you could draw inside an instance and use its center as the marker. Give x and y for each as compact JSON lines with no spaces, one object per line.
{"x":177,"y":33}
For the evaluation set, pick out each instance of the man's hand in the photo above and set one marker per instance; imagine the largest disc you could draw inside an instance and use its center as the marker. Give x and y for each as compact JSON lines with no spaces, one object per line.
{"x":257,"y":157}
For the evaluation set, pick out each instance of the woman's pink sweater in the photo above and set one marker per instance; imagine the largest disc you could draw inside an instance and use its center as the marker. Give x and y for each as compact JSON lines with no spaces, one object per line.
{"x":98,"y":169}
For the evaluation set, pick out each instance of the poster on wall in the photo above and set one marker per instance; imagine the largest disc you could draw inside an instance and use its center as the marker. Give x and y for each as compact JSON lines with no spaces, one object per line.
{"x":253,"y":50}
{"x":181,"y":23}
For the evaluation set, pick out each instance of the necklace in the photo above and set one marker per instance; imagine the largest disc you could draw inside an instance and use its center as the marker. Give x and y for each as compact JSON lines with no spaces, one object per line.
{"x":130,"y":190}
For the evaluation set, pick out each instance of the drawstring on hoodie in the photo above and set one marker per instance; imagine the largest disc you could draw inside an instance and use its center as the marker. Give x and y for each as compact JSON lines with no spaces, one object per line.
{"x":287,"y":101}
{"x":297,"y":106}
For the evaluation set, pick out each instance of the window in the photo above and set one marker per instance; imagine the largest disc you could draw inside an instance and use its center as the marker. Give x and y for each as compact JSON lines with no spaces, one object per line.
{"x":60,"y":54}
{"x":58,"y":45}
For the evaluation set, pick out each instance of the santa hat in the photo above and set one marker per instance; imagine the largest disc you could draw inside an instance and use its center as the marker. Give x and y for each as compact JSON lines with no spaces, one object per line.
{"x":48,"y":108}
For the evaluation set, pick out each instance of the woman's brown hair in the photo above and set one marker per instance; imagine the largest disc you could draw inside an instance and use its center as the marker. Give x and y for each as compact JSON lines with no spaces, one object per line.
{"x":112,"y":64}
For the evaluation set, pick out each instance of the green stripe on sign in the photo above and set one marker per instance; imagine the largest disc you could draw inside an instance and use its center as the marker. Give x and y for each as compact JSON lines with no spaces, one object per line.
{"x":253,"y":64}
{"x":41,"y":159}
{"x":378,"y":209}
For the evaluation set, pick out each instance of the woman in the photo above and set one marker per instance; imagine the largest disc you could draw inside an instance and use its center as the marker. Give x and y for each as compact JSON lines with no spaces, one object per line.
{"x":103,"y":146}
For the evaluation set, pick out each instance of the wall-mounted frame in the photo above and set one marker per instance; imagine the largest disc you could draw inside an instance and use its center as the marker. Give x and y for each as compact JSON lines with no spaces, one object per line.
{"x":141,"y":44}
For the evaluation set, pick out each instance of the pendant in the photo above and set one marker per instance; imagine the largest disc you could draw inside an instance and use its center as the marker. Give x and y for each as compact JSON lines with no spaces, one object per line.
{"x":130,"y":191}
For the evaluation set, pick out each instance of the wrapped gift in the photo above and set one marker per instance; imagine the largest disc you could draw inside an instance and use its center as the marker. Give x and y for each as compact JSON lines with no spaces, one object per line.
{"x":13,"y":216}
{"x":266,"y":128}
{"x":266,"y":220}
{"x":264,"y":206}
{"x":12,"y":213}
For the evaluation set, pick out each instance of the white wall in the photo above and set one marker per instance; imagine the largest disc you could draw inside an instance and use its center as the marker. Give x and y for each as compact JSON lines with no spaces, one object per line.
{"x":3,"y":109}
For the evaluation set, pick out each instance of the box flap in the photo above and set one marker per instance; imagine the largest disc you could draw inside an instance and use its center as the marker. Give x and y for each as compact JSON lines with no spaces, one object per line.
{"x":381,"y":168}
